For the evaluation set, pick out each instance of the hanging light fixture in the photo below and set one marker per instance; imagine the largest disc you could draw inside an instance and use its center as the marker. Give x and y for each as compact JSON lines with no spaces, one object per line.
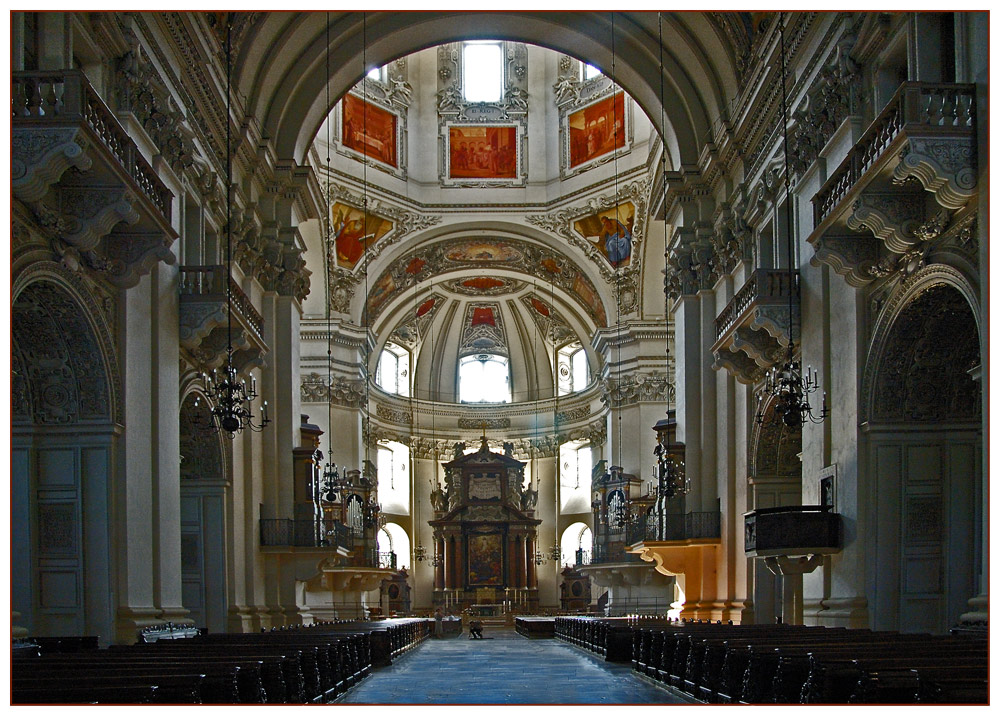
{"x":332,"y":482}
{"x":555,"y":551}
{"x":669,"y":477}
{"x":232,"y":398}
{"x":786,"y":389}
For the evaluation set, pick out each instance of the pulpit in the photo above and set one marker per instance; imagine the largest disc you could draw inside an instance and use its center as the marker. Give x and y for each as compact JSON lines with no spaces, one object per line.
{"x":485,"y":532}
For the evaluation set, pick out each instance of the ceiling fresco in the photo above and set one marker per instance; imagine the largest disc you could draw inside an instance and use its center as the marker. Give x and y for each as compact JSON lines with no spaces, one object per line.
{"x":485,"y":256}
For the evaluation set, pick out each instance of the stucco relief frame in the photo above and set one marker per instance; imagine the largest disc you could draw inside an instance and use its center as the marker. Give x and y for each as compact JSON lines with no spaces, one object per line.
{"x":382,"y":96}
{"x":454,"y":110}
{"x":444,"y":143}
{"x":573,"y":95}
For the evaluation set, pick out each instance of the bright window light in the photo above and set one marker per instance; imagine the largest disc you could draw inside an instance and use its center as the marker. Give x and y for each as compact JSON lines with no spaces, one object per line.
{"x":590,"y":72}
{"x":482,"y":63}
{"x":573,"y":369}
{"x":375,"y":74}
{"x":484,"y":378}
{"x":393,"y":373}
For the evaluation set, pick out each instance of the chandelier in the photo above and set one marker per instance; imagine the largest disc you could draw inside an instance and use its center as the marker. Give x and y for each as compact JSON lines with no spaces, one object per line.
{"x":786,"y":389}
{"x":539,"y":558}
{"x":231,"y":398}
{"x":555,"y":551}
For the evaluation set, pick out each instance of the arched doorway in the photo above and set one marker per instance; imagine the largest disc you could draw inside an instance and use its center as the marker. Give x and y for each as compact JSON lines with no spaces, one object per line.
{"x":62,"y":463}
{"x":204,"y":481}
{"x":923,"y":463}
{"x":775,"y":480}
{"x":577,"y":544}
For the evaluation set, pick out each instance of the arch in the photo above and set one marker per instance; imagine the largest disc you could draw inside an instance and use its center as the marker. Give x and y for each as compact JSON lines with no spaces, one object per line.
{"x":398,"y":542}
{"x":62,"y":352}
{"x":576,"y":544}
{"x":888,"y":328}
{"x":923,"y":438}
{"x":284,"y":58}
{"x":64,"y":454}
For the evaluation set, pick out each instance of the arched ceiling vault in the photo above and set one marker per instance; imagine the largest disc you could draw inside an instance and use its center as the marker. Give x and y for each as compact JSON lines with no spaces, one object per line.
{"x":538,"y":259}
{"x":283,"y":63}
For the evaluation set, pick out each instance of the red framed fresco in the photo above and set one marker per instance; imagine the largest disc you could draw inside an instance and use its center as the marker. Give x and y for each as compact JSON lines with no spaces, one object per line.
{"x":597,"y":129}
{"x":482,"y":152}
{"x":369,"y":130}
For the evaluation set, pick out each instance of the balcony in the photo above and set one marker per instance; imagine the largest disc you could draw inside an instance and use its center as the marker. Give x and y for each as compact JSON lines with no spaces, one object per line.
{"x":204,"y":324}
{"x":318,"y":534}
{"x":878,"y":201}
{"x":113,"y":210}
{"x":676,"y":528}
{"x":752,"y":330}
{"x":791,"y":531}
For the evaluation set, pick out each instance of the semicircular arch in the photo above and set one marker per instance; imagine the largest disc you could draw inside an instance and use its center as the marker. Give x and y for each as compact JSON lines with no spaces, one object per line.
{"x":287,"y":85}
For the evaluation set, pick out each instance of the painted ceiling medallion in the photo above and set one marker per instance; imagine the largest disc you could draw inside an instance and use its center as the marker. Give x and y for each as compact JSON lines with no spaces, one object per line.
{"x":485,"y":286}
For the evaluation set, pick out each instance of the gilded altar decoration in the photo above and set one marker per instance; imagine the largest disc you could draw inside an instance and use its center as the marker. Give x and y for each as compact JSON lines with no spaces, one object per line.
{"x":477,"y":152}
{"x":597,"y":129}
{"x":369,"y":129}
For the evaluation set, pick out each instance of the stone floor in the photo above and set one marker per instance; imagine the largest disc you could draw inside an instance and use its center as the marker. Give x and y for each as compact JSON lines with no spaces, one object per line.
{"x":504,"y":668}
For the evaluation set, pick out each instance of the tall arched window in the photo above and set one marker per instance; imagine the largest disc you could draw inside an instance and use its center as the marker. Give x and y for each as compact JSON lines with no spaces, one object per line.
{"x":393,"y":373}
{"x":484,"y":378}
{"x":482,"y":67}
{"x":575,"y":465}
{"x":573,"y":369}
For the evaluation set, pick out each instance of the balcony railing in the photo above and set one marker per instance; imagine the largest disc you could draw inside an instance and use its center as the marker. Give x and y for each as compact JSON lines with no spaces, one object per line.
{"x":612,"y":553}
{"x":209,"y":282}
{"x":671,"y":528}
{"x":765,"y":286}
{"x":305,"y":533}
{"x":65,"y":98}
{"x":582,"y":557}
{"x":915,"y":106}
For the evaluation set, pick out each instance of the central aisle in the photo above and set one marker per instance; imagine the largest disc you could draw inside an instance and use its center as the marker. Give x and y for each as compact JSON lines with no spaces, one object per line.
{"x":504,"y":668}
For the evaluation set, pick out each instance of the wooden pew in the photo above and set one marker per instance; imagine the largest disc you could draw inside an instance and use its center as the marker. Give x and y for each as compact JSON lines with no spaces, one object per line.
{"x":535,"y":627}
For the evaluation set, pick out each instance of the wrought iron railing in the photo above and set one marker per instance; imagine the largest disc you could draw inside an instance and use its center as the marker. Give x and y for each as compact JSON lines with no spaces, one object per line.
{"x":950,"y":107}
{"x":612,"y":553}
{"x":305,"y":533}
{"x":210,"y":281}
{"x":674,"y":527}
{"x":66,"y":98}
{"x":582,"y":557}
{"x":386,"y":560}
{"x":764,"y":286}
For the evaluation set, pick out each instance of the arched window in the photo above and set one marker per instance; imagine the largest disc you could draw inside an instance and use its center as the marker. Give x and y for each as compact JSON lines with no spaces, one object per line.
{"x":575,"y":465}
{"x":573,"y":369}
{"x":484,"y":378}
{"x":589,"y":72}
{"x":482,"y":67}
{"x":393,"y":373}
{"x":394,"y":477}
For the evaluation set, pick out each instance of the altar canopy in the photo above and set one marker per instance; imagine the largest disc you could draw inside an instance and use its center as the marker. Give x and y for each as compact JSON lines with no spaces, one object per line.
{"x":485,"y":532}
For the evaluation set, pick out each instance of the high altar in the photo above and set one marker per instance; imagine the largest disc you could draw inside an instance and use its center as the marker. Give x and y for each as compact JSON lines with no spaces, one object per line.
{"x":485,"y":533}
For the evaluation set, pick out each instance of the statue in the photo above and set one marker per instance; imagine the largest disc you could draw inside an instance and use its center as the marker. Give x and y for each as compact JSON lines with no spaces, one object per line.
{"x":459,"y":450}
{"x":529,"y":498}
{"x":508,"y":449}
{"x":439,"y":499}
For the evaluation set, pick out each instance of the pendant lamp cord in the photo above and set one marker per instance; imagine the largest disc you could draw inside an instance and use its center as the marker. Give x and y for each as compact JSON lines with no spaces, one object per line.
{"x":788,"y":180}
